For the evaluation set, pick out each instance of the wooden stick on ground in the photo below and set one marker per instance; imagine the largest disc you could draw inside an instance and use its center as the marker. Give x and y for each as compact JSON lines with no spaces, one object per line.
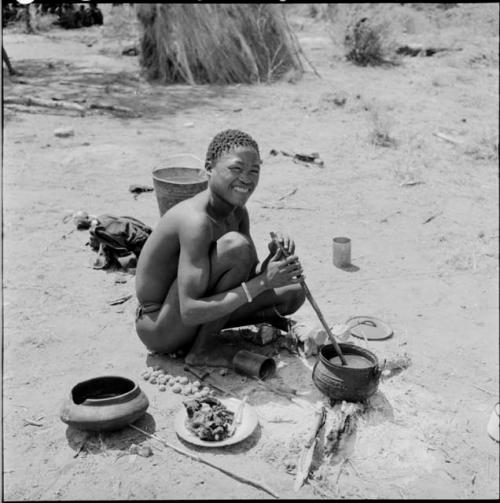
{"x":447,"y":138}
{"x":485,"y":390}
{"x":240,"y":478}
{"x":112,"y":108}
{"x":33,"y":423}
{"x":34,"y":110}
{"x":273,"y":389}
{"x":31,"y":101}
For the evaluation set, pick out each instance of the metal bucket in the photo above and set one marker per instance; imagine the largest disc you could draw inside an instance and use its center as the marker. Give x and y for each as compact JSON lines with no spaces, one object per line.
{"x":342,"y":382}
{"x":181,"y":178}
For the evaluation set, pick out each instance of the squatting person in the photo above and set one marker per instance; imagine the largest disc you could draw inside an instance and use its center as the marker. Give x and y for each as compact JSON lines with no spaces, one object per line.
{"x":199,"y":273}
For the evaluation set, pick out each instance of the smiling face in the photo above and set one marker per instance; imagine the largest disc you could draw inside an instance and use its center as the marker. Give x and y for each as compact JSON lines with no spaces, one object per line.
{"x":235,"y":175}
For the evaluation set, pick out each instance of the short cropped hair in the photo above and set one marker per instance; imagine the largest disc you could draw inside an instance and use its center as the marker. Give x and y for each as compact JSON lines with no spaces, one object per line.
{"x":225,"y":141}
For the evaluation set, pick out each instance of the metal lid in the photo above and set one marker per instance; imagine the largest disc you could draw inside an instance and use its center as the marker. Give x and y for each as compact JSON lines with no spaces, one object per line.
{"x":373,"y":328}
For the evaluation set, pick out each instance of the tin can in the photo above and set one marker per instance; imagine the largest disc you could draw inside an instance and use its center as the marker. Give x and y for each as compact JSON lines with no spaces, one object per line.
{"x":253,"y":364}
{"x":341,"y":252}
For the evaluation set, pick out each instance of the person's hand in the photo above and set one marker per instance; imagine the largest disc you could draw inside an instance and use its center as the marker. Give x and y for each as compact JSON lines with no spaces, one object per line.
{"x":282,"y":271}
{"x":285,"y":240}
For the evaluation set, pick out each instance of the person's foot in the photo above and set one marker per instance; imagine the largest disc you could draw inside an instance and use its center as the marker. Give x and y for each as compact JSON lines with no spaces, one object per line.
{"x":207,"y":350}
{"x":280,"y":323}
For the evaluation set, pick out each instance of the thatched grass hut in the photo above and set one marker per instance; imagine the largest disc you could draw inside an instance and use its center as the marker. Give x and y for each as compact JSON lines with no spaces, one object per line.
{"x":216,"y":43}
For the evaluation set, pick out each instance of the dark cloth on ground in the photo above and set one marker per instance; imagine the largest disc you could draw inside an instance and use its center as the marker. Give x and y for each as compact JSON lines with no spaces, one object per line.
{"x":118,"y":240}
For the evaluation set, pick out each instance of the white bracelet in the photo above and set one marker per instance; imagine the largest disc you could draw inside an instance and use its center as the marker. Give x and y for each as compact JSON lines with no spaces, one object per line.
{"x":247,"y":291}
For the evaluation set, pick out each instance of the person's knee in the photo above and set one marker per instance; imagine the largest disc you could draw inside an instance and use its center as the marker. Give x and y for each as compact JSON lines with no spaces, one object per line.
{"x":155,"y":338}
{"x":293,"y":299}
{"x":236,"y":248}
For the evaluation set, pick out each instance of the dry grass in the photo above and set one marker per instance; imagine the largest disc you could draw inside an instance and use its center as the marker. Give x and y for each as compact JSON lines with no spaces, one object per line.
{"x":432,"y":25}
{"x":364,"y":33}
{"x":483,"y":146}
{"x":381,"y":131}
{"x":369,"y":42}
{"x":216,"y":43}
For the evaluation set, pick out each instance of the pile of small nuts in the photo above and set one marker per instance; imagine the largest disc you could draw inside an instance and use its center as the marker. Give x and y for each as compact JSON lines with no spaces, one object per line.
{"x":179,"y":384}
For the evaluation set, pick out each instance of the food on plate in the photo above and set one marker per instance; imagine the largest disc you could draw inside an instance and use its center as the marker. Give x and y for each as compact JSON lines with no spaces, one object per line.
{"x":208,"y":418}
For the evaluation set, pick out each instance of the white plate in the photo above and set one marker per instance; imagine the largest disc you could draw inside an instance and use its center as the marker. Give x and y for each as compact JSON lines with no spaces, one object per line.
{"x":249,"y":422}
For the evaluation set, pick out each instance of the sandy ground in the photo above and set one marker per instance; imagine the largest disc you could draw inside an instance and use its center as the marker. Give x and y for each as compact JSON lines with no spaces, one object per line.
{"x":426,"y":257}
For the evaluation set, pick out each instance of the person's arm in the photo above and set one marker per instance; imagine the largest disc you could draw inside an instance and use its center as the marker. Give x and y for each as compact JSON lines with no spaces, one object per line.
{"x":194,"y":276}
{"x":287,"y":243}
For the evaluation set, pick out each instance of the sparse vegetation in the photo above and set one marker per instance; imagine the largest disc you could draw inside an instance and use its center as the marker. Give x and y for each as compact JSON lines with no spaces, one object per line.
{"x":483,"y":147}
{"x":381,"y":131}
{"x":367,"y":43}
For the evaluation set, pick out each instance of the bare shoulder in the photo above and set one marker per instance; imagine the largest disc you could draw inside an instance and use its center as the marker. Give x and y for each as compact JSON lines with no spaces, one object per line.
{"x":185,"y":212}
{"x":190,"y":218}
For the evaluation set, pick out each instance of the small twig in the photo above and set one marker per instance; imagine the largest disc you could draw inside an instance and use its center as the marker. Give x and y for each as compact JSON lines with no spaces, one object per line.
{"x":240,"y":478}
{"x":391,"y":215}
{"x":344,"y":462}
{"x":485,"y":390}
{"x":120,"y":455}
{"x":432,"y":217}
{"x":273,"y":389}
{"x":275,"y":207}
{"x":447,"y":138}
{"x":354,"y":468}
{"x":291,"y":193}
{"x":412,"y":182}
{"x":121,"y":300}
{"x":446,"y":453}
{"x":112,"y":108}
{"x":30,"y":110}
{"x":32,"y":101}
{"x":452,"y":476}
{"x":33,"y":423}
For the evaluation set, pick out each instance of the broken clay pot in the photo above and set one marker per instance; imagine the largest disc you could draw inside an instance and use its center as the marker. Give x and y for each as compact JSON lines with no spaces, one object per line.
{"x":104,"y":404}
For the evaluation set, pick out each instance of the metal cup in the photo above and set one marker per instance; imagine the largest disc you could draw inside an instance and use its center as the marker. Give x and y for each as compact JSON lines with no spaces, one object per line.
{"x":341,"y":252}
{"x":253,"y":364}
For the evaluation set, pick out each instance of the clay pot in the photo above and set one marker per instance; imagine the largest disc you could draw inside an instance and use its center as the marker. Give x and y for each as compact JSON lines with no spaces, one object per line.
{"x":104,"y":404}
{"x":341,"y":382}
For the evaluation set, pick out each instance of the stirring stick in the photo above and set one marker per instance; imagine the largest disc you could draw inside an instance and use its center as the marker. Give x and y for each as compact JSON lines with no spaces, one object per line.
{"x":313,"y":304}
{"x":364,"y":337}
